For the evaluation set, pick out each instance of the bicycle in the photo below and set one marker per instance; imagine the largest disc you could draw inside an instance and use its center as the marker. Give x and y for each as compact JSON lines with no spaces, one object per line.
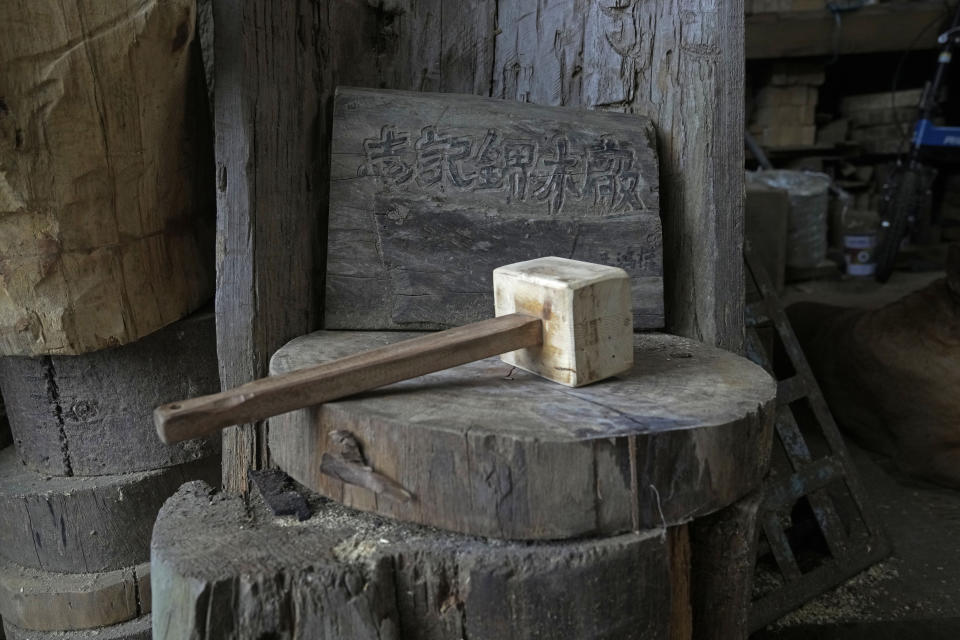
{"x":913,"y":177}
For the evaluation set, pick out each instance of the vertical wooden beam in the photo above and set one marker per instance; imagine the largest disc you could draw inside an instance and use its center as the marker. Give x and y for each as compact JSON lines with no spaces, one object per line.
{"x":680,"y":62}
{"x":269,"y":194}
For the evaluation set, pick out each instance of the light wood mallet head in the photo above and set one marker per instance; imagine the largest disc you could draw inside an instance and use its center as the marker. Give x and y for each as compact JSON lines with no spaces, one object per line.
{"x":565,"y":320}
{"x":586,"y":314}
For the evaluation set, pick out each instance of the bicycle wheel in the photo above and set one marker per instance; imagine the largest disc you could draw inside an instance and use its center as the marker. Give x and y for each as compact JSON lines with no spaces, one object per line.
{"x":900,"y":206}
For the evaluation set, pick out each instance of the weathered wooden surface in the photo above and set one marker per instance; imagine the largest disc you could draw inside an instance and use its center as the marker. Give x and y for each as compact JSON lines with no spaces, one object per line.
{"x":223,"y":570}
{"x":430,"y":192}
{"x":269,"y":121}
{"x":276,"y":66}
{"x":45,"y":601}
{"x":105,"y":196}
{"x":138,"y":629}
{"x":92,"y":414}
{"x":685,"y":432}
{"x":83,"y":525}
{"x":679,"y":63}
{"x":722,"y":569}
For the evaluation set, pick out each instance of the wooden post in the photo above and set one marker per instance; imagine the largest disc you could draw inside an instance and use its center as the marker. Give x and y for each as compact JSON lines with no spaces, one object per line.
{"x":679,"y":62}
{"x":270,"y":165}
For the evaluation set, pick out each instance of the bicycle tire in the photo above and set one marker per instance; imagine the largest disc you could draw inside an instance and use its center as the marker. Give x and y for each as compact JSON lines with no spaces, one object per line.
{"x":902,"y":202}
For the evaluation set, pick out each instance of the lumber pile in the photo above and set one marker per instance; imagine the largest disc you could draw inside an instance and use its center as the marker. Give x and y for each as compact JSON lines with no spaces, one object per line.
{"x":881,"y":122}
{"x":783,"y":6}
{"x":785,"y":107}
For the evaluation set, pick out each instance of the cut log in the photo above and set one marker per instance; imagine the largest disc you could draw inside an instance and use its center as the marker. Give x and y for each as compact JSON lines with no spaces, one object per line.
{"x":222,"y":569}
{"x":138,"y":629}
{"x":486,"y":449}
{"x":93,"y":414}
{"x":106,"y":182}
{"x":37,"y":600}
{"x":84,"y":525}
{"x":431,"y":192}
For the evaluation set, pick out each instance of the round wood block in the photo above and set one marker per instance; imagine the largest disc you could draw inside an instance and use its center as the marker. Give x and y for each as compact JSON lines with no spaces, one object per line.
{"x":47,"y":601}
{"x":223,"y":569}
{"x":487,"y":449}
{"x":93,"y":414}
{"x":84,"y":525}
{"x":139,"y":629}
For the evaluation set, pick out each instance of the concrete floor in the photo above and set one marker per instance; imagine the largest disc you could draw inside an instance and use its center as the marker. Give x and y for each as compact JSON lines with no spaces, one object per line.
{"x":916,"y":592}
{"x":913,"y":594}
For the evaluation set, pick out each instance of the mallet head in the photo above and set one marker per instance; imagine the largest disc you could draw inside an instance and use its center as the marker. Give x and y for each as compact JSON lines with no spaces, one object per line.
{"x":586,"y":313}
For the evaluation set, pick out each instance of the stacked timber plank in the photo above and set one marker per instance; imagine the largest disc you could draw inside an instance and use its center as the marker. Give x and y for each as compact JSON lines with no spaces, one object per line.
{"x":785,"y":107}
{"x":783,"y":6}
{"x":881,"y":122}
{"x":82,"y":484}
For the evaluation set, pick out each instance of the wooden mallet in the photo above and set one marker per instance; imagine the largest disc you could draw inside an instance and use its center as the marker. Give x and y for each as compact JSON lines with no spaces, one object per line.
{"x":565,"y":320}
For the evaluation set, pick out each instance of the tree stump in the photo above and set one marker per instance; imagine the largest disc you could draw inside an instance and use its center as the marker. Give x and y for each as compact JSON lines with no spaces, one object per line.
{"x":138,"y":629}
{"x":106,"y":190}
{"x":93,"y":414}
{"x":486,"y":449}
{"x":35,"y":600}
{"x":224,"y":569}
{"x":84,"y":525}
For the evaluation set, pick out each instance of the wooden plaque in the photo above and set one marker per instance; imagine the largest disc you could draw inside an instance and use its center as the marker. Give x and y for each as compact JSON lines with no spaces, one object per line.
{"x":491,"y":450}
{"x":430,"y":192}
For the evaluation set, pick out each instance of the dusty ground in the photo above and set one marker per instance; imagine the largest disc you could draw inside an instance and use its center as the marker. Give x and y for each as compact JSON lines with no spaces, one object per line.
{"x":916,"y":592}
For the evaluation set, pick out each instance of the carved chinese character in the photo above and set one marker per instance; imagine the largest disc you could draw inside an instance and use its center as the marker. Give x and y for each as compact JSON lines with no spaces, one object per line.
{"x":460,"y":149}
{"x":561,"y":179}
{"x":519,"y":157}
{"x":439,"y":154}
{"x":384,"y":157}
{"x":628,"y":188}
{"x":488,"y":162}
{"x":606,"y":162}
{"x":431,"y":148}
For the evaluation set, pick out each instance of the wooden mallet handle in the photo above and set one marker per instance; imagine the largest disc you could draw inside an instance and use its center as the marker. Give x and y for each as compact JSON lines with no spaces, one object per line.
{"x":272,"y":396}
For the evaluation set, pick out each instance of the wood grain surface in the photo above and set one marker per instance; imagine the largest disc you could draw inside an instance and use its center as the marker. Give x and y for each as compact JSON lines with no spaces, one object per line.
{"x":680,"y":64}
{"x":92,"y":414}
{"x":225,"y":569}
{"x":83,"y":525}
{"x":106,"y":200}
{"x":430,"y":192}
{"x":37,"y":600}
{"x":491,"y":450}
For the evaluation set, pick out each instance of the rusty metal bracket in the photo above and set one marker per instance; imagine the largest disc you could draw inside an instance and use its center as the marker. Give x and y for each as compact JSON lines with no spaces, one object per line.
{"x":825,"y":483}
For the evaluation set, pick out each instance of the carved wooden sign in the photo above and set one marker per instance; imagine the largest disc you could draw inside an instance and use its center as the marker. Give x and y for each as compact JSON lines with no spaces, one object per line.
{"x":430,"y":192}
